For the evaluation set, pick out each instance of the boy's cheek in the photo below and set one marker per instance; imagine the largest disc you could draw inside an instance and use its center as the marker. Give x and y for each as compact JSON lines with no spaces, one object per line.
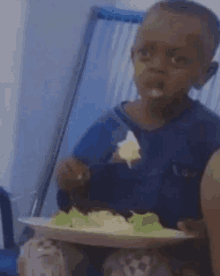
{"x":139,"y":69}
{"x":179,"y":80}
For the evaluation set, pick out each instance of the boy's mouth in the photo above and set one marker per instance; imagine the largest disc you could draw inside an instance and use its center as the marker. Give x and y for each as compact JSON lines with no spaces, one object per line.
{"x":160,"y":85}
{"x":155,"y":89}
{"x":155,"y":85}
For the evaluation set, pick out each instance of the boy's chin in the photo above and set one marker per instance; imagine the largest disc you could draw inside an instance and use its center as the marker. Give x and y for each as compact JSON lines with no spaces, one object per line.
{"x":155,"y":93}
{"x":158,"y":95}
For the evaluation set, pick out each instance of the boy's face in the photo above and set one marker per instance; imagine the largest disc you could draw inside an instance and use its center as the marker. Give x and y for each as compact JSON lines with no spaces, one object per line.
{"x":168,"y":56}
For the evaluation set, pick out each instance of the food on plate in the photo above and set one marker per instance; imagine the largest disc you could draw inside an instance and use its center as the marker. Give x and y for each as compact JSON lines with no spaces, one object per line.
{"x":146,"y":223}
{"x":109,"y":222}
{"x":73,"y":217}
{"x":105,"y":221}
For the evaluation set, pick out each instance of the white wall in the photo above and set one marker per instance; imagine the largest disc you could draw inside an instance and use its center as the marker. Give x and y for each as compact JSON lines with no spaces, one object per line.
{"x":134,"y":4}
{"x":144,"y":4}
{"x":12,"y":20}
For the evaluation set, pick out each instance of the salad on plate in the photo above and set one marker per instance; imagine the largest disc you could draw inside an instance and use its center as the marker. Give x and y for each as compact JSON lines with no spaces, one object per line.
{"x":105,"y":221}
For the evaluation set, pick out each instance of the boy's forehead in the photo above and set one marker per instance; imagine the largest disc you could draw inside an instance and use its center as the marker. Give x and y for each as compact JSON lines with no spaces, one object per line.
{"x":171,"y":29}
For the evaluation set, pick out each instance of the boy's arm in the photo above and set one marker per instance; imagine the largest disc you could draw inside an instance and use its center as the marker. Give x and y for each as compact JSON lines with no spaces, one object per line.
{"x":73,"y":173}
{"x":94,"y":148}
{"x":210,"y":199}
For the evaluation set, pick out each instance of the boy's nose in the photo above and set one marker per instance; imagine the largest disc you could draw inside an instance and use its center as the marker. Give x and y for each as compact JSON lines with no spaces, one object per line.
{"x":159,"y":63}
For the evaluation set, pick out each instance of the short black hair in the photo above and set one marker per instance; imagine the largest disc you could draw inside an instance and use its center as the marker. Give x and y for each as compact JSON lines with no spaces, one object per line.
{"x":191,"y":8}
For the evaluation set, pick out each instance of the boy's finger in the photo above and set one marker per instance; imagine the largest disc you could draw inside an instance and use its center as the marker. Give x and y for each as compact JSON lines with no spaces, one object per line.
{"x":195,"y":225}
{"x":192,"y":227}
{"x":181,"y":225}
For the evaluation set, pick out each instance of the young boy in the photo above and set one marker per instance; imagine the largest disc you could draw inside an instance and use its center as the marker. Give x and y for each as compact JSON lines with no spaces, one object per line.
{"x":173,"y":52}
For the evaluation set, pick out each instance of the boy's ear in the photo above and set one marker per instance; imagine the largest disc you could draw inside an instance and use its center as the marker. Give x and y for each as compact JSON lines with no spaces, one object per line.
{"x":213,"y":68}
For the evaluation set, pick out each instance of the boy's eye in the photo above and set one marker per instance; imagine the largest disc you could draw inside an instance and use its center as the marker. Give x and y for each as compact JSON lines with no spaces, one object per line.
{"x":180,"y":60}
{"x":145,"y":53}
{"x":149,"y":52}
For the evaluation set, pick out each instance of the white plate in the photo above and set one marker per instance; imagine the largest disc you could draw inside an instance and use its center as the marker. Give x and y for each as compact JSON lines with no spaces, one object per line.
{"x":98,"y":237}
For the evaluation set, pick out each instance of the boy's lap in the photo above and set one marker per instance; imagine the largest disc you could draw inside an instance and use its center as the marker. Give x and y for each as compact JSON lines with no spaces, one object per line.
{"x":47,"y":257}
{"x":145,"y":263}
{"x":133,"y":262}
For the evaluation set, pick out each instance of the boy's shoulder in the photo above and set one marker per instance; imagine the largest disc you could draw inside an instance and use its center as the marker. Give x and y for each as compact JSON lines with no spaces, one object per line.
{"x":107,"y":114}
{"x":109,"y":118}
{"x":208,"y":122}
{"x":207,"y":115}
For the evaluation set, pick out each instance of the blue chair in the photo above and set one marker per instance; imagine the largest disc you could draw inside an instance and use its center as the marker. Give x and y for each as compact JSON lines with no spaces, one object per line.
{"x":10,"y":253}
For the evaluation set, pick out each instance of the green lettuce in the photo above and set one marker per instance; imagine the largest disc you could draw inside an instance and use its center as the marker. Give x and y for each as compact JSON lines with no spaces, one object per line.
{"x":64,"y":219}
{"x":146,"y":223}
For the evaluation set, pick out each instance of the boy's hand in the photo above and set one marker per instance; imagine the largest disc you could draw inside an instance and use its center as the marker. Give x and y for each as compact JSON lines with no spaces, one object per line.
{"x":195,"y":227}
{"x":72,"y":173}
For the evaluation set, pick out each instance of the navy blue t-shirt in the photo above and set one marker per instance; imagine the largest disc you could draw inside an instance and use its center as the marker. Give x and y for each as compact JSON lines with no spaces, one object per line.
{"x":167,"y":179}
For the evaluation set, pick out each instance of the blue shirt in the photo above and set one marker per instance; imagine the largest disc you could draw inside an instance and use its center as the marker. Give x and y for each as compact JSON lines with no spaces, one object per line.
{"x":167,"y":180}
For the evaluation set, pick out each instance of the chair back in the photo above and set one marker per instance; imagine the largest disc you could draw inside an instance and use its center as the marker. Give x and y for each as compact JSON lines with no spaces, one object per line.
{"x":7,"y":220}
{"x":8,"y":255}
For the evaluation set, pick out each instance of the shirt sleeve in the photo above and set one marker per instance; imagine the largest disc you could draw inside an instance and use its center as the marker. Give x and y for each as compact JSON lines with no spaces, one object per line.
{"x":97,"y":144}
